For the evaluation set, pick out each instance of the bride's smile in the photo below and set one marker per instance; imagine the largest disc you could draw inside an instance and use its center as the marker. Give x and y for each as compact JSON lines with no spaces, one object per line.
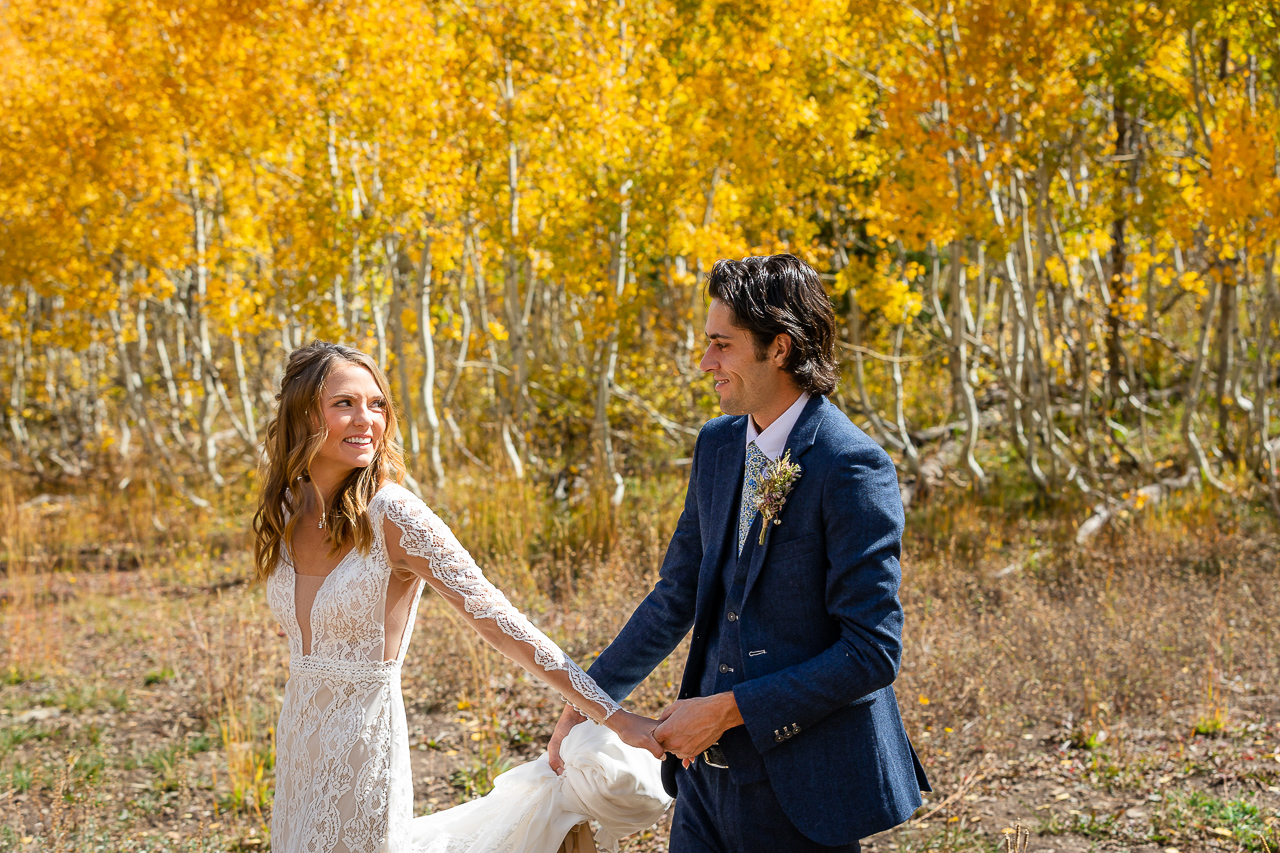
{"x":355,"y":418}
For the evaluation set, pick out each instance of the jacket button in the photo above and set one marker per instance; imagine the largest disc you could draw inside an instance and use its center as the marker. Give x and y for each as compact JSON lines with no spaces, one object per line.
{"x":732,"y":617}
{"x":724,"y":667}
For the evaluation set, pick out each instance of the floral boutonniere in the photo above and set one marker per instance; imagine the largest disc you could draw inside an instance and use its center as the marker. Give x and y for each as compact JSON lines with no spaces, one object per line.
{"x":779,"y":479}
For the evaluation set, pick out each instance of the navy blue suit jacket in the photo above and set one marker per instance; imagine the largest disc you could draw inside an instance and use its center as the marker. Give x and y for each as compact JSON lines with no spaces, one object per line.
{"x":821,"y":602}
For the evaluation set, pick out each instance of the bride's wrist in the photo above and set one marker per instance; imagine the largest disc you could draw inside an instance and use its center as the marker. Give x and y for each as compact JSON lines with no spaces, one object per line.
{"x":617,"y":721}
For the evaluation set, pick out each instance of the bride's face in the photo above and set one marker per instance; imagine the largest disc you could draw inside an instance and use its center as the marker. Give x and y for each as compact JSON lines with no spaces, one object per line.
{"x":355,"y":414}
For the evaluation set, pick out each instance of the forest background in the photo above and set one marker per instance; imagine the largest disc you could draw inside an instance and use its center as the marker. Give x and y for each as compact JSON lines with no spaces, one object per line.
{"x":1049,"y":230}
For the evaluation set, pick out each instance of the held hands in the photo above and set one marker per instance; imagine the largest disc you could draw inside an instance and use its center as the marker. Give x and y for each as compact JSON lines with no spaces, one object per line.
{"x":686,"y":728}
{"x":636,"y":731}
{"x":633,"y":729}
{"x":689,"y":726}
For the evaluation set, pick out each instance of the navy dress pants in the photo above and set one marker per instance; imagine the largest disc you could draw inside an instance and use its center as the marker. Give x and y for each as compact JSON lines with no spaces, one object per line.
{"x":713,"y":815}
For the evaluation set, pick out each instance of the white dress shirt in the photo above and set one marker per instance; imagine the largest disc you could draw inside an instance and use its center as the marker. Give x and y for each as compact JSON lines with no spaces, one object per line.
{"x":774,"y":438}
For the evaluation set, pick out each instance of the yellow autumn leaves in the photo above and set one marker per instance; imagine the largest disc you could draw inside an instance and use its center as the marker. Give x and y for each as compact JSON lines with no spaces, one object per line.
{"x":189,"y":186}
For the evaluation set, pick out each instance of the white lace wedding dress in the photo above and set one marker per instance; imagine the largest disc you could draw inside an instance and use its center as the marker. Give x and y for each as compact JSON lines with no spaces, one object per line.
{"x":343,"y":779}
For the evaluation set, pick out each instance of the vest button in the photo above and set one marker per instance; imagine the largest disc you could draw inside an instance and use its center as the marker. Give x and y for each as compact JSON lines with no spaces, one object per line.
{"x":732,"y":617}
{"x":724,"y":667}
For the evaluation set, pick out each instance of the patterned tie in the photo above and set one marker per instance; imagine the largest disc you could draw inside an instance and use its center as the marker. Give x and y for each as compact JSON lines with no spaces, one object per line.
{"x":756,"y":462}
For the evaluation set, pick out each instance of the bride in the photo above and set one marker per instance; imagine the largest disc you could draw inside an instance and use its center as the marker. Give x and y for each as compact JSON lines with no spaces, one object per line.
{"x":345,"y":551}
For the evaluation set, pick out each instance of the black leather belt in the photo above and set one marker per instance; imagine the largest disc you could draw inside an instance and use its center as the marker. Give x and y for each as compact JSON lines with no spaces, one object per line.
{"x":713,"y":756}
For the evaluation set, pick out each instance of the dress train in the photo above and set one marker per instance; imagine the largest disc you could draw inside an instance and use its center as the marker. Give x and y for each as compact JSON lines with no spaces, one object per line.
{"x":531,"y":809}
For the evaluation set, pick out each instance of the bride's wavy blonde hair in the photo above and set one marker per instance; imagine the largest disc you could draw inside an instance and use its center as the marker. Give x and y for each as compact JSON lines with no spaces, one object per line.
{"x":294,"y":438}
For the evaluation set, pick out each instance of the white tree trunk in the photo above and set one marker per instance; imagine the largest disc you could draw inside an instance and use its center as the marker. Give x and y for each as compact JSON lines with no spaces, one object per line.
{"x":429,"y":362}
{"x":609,"y":361}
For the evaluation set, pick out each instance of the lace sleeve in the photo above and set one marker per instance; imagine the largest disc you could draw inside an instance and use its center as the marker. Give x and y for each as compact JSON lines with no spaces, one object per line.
{"x":419,"y":541}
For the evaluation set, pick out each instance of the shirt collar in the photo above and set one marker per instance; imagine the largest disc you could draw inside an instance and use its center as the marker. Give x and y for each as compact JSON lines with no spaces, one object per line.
{"x":774,"y":438}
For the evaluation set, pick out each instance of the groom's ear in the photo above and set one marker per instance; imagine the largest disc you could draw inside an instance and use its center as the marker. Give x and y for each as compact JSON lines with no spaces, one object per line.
{"x":780,"y":350}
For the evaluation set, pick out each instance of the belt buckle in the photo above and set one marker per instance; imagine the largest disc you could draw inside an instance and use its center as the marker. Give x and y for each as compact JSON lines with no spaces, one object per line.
{"x":713,"y":755}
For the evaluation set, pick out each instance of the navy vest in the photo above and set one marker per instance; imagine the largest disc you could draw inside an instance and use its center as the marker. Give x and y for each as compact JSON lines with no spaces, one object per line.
{"x":722,"y":660}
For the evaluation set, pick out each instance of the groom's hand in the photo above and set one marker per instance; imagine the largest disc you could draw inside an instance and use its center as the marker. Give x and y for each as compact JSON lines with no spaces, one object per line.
{"x":689,"y":726}
{"x":568,"y":720}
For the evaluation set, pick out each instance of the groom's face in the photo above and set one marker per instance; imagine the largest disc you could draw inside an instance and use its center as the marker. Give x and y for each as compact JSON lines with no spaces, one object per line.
{"x":746,"y":382}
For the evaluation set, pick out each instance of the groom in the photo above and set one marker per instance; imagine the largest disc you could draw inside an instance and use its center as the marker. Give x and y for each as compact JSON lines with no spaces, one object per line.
{"x":786,"y":734}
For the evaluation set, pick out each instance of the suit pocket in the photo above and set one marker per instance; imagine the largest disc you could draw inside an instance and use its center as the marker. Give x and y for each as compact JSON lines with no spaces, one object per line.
{"x":793,"y":549}
{"x":870,"y":697}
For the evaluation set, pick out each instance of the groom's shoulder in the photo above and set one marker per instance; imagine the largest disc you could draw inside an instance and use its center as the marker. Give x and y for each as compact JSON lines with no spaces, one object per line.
{"x":718,"y":430}
{"x":843,"y":438}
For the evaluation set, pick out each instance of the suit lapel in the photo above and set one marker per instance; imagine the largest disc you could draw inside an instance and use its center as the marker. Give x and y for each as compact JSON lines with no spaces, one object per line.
{"x":802,"y":437}
{"x":730,"y":461}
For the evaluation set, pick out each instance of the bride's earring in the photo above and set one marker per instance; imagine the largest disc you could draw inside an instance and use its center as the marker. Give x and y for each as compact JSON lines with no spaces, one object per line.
{"x":320,"y":526}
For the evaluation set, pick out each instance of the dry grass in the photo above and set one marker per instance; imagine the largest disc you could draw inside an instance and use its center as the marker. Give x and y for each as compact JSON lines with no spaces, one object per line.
{"x":1043,"y":682}
{"x":1175,"y":615}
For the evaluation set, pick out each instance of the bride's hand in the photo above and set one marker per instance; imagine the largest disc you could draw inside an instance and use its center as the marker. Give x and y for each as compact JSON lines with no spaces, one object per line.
{"x":568,"y":720}
{"x":637,"y":731}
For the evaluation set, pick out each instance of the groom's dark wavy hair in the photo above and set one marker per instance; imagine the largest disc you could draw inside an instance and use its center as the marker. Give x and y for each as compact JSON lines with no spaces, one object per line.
{"x":771,"y":295}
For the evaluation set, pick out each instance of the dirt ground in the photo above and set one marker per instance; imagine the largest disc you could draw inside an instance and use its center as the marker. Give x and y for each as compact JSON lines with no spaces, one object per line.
{"x":109,"y":751}
{"x":1119,"y":698}
{"x":1145,"y":789}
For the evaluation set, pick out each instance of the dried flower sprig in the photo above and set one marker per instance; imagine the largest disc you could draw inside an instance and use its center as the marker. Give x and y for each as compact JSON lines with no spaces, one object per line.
{"x":779,"y":479}
{"x":1016,"y":839}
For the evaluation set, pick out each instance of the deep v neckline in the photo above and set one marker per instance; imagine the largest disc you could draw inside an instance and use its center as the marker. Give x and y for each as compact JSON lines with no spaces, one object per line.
{"x":332,"y":571}
{"x":315,"y":599}
{"x":293,"y":587}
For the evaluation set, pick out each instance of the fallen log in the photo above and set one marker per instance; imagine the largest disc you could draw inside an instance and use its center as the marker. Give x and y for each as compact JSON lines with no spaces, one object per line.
{"x":933,"y":471}
{"x":1149,"y":495}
